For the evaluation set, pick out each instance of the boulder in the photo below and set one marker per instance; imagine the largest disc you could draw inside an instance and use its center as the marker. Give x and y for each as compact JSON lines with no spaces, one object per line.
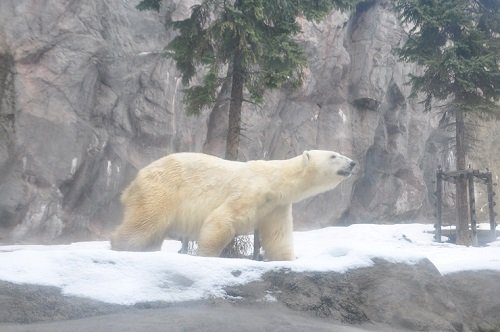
{"x":405,"y":297}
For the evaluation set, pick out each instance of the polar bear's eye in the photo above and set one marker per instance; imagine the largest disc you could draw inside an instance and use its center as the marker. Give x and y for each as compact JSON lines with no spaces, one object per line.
{"x":333,"y":156}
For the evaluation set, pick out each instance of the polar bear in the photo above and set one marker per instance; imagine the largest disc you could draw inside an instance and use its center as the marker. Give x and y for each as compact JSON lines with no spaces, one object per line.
{"x":200,"y":197}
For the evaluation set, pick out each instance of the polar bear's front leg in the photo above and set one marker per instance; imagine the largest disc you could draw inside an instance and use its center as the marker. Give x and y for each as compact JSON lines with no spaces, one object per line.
{"x":216,"y":233}
{"x":276,"y":232}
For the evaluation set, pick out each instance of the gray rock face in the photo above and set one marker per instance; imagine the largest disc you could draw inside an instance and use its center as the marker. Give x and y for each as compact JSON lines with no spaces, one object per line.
{"x":86,"y":99}
{"x":384,"y":297}
{"x":478,"y":294}
{"x":404,"y":297}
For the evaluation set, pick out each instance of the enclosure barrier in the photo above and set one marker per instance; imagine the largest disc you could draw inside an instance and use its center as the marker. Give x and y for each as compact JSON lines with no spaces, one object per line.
{"x":470,"y":175}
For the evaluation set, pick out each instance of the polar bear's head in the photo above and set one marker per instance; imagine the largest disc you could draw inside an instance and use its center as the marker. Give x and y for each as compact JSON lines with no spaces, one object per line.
{"x":326,"y":169}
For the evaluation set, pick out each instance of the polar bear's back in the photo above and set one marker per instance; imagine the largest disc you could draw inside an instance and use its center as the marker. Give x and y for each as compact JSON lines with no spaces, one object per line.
{"x":184,"y":186}
{"x":189,"y":175}
{"x":198,"y":170}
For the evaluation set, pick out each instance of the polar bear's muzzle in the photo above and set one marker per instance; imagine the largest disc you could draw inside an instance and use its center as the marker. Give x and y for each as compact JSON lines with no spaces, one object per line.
{"x":347,"y":170}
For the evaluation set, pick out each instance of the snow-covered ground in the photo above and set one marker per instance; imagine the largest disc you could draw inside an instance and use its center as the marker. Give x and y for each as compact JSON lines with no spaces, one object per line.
{"x":91,"y":269}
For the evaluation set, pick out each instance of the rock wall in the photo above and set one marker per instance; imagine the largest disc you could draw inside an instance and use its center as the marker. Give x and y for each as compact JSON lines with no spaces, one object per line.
{"x":383,"y":297}
{"x":86,"y":99}
{"x":405,"y":297}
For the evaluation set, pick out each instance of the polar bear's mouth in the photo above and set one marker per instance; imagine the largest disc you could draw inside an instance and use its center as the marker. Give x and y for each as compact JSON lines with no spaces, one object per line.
{"x":346,"y":171}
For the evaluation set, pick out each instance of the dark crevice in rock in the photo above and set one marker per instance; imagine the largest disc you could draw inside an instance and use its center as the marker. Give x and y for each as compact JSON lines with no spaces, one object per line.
{"x":366,"y":103}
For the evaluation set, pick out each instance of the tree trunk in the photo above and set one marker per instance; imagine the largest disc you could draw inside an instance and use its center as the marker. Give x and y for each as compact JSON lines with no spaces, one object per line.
{"x":463,"y":233}
{"x":234,"y":128}
{"x":215,"y":142}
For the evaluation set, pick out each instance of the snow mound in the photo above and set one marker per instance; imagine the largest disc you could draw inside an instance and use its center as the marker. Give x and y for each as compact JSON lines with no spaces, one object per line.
{"x":91,"y":269}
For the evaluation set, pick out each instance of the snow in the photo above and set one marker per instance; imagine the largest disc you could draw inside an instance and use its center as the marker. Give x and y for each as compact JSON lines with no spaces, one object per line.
{"x":91,"y":269}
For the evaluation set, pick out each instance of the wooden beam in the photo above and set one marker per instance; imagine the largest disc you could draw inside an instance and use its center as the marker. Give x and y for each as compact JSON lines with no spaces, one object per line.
{"x":439,"y":204}
{"x":456,"y":173}
{"x":491,"y":205}
{"x":472,"y":209}
{"x":256,"y":245}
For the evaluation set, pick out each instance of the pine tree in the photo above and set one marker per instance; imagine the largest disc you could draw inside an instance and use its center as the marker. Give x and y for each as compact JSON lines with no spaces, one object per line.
{"x":457,"y":43}
{"x":249,"y":42}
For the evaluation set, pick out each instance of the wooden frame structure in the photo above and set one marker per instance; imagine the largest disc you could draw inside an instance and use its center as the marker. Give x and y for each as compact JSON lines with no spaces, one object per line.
{"x":470,"y":175}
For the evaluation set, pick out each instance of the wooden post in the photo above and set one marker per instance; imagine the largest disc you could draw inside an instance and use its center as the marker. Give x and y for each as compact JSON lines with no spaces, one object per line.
{"x":491,"y":204}
{"x":256,"y":245}
{"x":185,"y":246}
{"x":439,"y":203}
{"x":463,"y":233}
{"x":472,"y":208}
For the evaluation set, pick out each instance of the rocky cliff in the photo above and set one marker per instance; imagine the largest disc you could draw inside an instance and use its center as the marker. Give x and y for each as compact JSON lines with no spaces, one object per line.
{"x":86,"y":99}
{"x":383,"y":297}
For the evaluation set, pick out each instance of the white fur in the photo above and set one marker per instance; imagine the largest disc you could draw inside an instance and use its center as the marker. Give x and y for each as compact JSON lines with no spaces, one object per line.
{"x":204,"y":198}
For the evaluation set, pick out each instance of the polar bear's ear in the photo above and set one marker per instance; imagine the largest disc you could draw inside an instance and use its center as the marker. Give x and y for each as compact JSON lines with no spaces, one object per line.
{"x":305,"y":158}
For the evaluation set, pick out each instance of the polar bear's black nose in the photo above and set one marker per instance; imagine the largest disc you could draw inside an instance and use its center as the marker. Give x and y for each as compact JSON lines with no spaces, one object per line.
{"x":352,"y":164}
